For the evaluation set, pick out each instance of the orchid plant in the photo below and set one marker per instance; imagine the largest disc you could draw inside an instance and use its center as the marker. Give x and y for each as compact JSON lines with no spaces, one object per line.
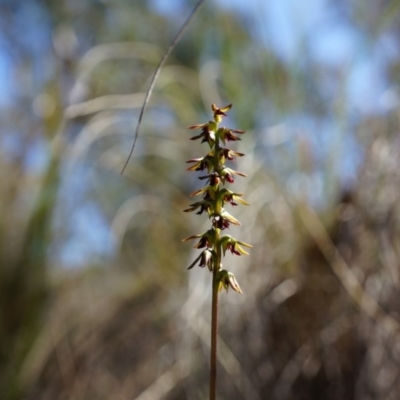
{"x":214,"y":198}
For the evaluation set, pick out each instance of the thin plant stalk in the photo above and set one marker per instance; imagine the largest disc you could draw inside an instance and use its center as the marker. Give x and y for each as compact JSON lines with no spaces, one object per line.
{"x":215,"y":196}
{"x":214,"y":325}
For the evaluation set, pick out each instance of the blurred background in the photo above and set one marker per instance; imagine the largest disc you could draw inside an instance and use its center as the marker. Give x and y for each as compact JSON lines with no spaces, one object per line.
{"x":95,"y":299}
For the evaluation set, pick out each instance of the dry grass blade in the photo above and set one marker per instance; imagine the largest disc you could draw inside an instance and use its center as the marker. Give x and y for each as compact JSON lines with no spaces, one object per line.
{"x":157,"y":72}
{"x":339,"y":266}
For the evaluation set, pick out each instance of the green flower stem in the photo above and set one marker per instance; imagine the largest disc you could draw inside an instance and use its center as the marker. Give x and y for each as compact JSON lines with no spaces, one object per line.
{"x":214,"y":335}
{"x":215,"y":282}
{"x":214,"y":198}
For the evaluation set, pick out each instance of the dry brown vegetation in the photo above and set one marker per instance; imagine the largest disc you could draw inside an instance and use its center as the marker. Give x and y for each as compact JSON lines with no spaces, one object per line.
{"x":319,"y":318}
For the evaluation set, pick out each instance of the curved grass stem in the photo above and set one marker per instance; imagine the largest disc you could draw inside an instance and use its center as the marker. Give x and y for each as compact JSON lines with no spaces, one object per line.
{"x":157,"y":72}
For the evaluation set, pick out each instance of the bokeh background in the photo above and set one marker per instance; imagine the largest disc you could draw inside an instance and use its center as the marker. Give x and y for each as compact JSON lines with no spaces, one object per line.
{"x":95,"y":299}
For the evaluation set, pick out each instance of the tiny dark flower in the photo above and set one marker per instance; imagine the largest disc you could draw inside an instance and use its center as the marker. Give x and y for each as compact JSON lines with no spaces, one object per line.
{"x":226,"y":134}
{"x":219,"y":222}
{"x":213,"y":179}
{"x":227,"y":174}
{"x":204,"y":205}
{"x":206,"y":259}
{"x":226,"y":195}
{"x":228,"y":217}
{"x":228,"y":154}
{"x":207,"y":133}
{"x":220,"y":112}
{"x":203,"y":242}
{"x":227,"y":280}
{"x":207,"y":239}
{"x":201,"y":163}
{"x":234,"y":246}
{"x":206,"y":190}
